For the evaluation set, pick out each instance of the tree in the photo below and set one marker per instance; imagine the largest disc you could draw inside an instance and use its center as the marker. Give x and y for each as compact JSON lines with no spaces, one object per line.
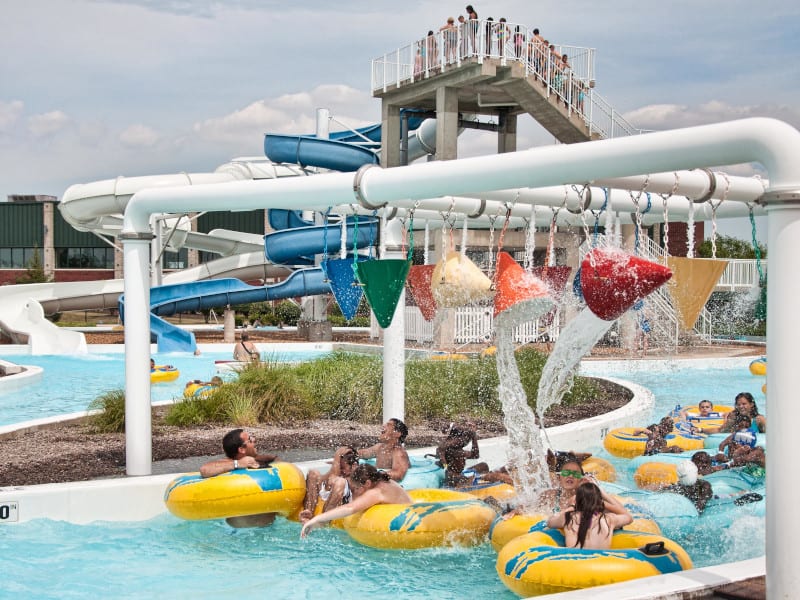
{"x":34,"y":273}
{"x":731,"y":247}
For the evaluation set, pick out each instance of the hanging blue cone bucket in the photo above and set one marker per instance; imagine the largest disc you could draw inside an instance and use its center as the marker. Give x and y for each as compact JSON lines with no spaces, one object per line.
{"x":342,"y":280}
{"x":576,"y":285}
{"x":383,"y":282}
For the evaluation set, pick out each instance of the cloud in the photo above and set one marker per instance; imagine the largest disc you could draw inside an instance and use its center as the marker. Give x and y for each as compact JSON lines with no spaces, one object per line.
{"x":289,"y":113}
{"x":138,"y":136}
{"x":47,"y":124}
{"x":671,"y":116}
{"x":9,"y":114}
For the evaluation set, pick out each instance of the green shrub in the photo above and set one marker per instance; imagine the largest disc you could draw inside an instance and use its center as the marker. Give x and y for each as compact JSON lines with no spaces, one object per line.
{"x":287,"y":312}
{"x":111,"y":415}
{"x":344,"y":386}
{"x":266,"y":392}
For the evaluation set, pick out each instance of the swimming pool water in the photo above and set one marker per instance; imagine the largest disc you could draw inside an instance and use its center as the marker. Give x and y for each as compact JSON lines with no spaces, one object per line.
{"x":169,"y":557}
{"x":166,"y":557}
{"x":70,"y":383}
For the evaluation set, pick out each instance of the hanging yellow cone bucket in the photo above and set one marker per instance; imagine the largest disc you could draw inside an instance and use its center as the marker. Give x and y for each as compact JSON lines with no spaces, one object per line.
{"x":693,"y":280}
{"x":518,"y":293}
{"x":457,"y":281}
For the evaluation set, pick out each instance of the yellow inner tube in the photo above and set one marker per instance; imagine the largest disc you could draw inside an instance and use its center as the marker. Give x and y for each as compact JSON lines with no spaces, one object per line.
{"x":437,"y":517}
{"x":198,"y":390}
{"x":453,"y":356}
{"x":655,"y":475}
{"x":759,"y":367}
{"x":538,"y":563}
{"x":279,"y":488}
{"x":600,"y":468}
{"x":161,"y":373}
{"x":623,"y":443}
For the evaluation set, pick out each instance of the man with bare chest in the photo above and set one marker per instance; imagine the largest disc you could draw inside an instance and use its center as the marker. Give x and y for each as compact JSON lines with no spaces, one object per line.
{"x":389,"y":453}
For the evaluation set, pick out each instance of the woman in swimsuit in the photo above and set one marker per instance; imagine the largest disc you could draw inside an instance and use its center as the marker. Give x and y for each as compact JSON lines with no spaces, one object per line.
{"x":592,"y":521}
{"x":370,"y":487}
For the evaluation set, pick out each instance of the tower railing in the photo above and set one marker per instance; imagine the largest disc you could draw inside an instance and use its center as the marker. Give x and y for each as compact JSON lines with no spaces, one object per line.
{"x":476,"y":41}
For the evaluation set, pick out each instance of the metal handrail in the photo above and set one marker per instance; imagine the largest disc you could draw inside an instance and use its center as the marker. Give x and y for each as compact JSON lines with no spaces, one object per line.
{"x":480,"y":40}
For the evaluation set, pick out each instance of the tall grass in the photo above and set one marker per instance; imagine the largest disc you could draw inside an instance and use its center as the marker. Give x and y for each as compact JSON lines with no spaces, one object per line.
{"x":349,"y":387}
{"x":110,"y":417}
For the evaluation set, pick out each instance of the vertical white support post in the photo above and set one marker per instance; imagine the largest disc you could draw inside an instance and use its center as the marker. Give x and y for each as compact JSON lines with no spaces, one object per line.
{"x":394,"y":339}
{"x":783,"y":380}
{"x":155,"y":252}
{"x":138,"y":432}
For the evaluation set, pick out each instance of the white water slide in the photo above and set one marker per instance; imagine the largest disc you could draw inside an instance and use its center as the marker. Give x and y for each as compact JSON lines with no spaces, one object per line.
{"x":98,"y":207}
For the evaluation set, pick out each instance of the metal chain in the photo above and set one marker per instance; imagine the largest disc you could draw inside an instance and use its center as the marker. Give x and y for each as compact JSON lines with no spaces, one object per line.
{"x":690,"y":230}
{"x":756,"y":247}
{"x":637,"y":217}
{"x":664,"y":198}
{"x":530,"y":240}
{"x":714,"y":206}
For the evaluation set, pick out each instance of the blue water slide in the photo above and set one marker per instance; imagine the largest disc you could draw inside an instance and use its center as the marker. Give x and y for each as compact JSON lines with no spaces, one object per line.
{"x":202,"y":295}
{"x":280,"y":218}
{"x":311,"y":151}
{"x":344,"y":151}
{"x":283,"y":247}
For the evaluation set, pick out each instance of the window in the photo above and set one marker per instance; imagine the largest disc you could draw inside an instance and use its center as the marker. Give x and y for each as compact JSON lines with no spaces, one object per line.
{"x":85,"y":258}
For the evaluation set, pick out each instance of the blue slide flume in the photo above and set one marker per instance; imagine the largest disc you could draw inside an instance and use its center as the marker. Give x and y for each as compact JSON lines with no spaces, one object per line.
{"x":281,"y":247}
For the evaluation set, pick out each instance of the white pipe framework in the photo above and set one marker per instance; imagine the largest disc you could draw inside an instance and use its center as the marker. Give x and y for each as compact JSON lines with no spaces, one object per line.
{"x":772,"y":143}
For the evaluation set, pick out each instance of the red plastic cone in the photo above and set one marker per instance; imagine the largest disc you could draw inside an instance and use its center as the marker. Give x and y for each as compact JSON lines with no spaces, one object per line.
{"x":613,"y":280}
{"x":514,"y":285}
{"x":418,"y":283}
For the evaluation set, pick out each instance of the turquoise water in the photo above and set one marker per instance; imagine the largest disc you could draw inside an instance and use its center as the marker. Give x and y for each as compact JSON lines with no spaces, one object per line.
{"x":70,"y":383}
{"x":169,"y":557}
{"x":165,"y":557}
{"x":712,"y":539}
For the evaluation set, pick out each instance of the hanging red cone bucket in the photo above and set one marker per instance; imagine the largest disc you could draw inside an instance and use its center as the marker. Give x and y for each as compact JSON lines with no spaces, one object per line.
{"x":457,"y":281}
{"x":515,"y":288}
{"x":612,"y":280}
{"x":556,"y":279}
{"x":418,"y":283}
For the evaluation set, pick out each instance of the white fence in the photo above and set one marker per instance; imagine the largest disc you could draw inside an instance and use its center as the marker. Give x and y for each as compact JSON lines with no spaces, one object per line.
{"x":474,"y":325}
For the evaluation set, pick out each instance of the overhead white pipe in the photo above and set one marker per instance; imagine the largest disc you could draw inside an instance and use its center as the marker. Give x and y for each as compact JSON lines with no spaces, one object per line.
{"x":772,"y":143}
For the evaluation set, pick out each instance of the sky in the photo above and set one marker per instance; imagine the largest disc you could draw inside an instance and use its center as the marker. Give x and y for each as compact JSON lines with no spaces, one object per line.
{"x":94,"y":89}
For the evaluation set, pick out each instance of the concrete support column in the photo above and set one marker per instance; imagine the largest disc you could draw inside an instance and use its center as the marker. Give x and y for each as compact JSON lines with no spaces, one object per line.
{"x":390,"y":135}
{"x":193,"y":255}
{"x":138,"y":425}
{"x":446,"y":123}
{"x":48,"y":243}
{"x":627,"y":323}
{"x":229,"y":326}
{"x":507,"y":133}
{"x":444,"y":332}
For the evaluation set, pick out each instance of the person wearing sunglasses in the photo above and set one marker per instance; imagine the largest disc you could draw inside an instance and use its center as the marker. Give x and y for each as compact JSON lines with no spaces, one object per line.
{"x":333,"y":487}
{"x":240,"y":453}
{"x":570,"y":476}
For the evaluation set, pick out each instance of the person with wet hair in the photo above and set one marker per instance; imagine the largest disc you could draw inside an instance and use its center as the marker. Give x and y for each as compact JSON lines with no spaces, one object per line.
{"x":389,"y":453}
{"x":745,"y":404}
{"x":333,"y":487}
{"x":591,"y":522}
{"x":240,"y":453}
{"x":696,"y":489}
{"x":453,"y":457}
{"x":370,"y":487}
{"x":657,"y":437}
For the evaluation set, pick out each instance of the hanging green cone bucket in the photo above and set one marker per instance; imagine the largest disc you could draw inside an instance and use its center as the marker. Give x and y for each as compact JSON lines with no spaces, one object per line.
{"x":383,"y":282}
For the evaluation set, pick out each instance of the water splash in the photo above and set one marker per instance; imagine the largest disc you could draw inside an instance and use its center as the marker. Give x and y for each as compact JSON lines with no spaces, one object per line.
{"x":576,"y":340}
{"x":526,"y":454}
